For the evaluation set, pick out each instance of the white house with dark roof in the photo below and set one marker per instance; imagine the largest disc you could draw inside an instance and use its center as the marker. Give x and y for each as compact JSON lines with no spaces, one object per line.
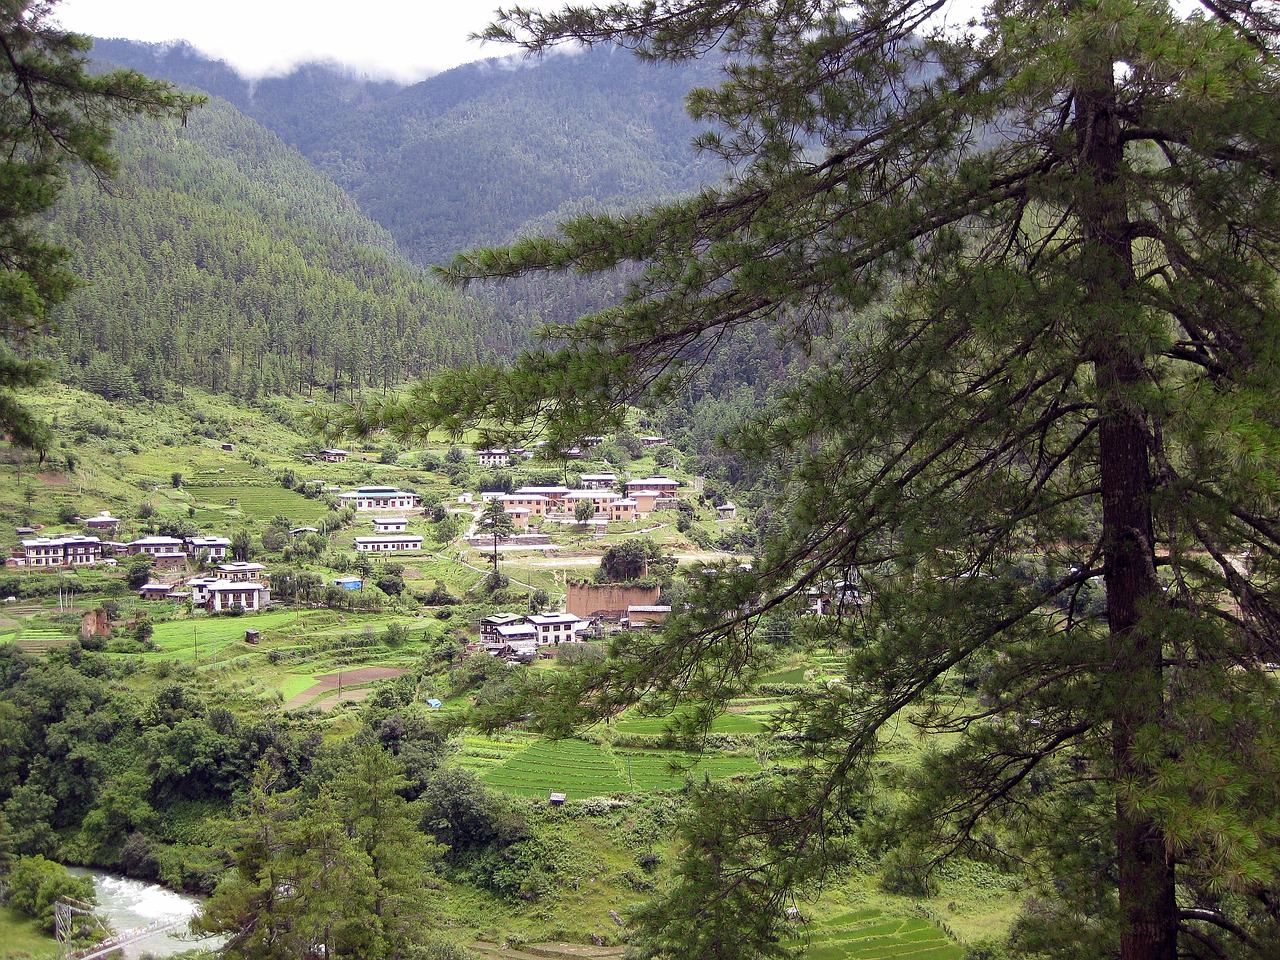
{"x":379,"y":498}
{"x":389,"y":543}
{"x":556,"y":628}
{"x":495,"y":457}
{"x":240,"y":571}
{"x":334,"y":455}
{"x":665,"y":486}
{"x":211,"y":548}
{"x":73,"y":550}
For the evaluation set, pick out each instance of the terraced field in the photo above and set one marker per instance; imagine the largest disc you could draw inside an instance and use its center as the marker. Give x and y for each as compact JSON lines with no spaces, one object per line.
{"x":530,"y":767}
{"x":654,"y":726}
{"x":574,"y":767}
{"x":40,"y":639}
{"x":870,"y":935}
{"x":253,"y":501}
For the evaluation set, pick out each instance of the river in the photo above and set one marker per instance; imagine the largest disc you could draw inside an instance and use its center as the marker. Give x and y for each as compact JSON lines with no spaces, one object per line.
{"x":130,"y":904}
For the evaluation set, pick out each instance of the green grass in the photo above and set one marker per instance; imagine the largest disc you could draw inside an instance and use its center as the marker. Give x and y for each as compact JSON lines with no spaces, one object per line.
{"x":295,"y":683}
{"x":20,"y":936}
{"x":178,"y":639}
{"x":668,"y":769}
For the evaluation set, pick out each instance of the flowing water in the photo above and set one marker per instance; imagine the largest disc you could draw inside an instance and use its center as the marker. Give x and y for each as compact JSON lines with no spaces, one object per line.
{"x":130,"y":904}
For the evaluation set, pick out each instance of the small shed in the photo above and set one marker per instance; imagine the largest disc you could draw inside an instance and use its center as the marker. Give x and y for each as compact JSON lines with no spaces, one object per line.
{"x":349,"y":583}
{"x":434,"y":704}
{"x":251,"y":636}
{"x":557,"y":799}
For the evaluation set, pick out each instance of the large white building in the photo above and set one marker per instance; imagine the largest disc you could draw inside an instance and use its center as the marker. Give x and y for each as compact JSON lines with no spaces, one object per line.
{"x":556,"y":628}
{"x":211,"y":548}
{"x":73,"y":550}
{"x":379,"y":498}
{"x":219,"y":595}
{"x":389,"y":543}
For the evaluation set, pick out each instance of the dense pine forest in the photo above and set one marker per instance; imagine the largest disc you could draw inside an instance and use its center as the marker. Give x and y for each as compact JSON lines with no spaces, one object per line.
{"x":220,"y":258}
{"x":472,"y":155}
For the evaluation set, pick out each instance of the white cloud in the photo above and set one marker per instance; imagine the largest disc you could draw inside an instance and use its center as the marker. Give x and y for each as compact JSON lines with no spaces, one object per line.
{"x":403,"y":39}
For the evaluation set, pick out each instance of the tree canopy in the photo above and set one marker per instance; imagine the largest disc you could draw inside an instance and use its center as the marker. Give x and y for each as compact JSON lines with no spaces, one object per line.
{"x":1033,"y":260}
{"x":53,"y":112}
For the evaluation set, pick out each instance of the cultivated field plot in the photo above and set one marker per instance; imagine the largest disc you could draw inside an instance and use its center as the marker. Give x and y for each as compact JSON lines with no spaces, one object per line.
{"x":36,"y":639}
{"x":581,"y":769}
{"x":481,"y":753}
{"x":178,"y":637}
{"x":631,"y":722}
{"x":572,"y":767}
{"x":668,"y":769}
{"x":870,"y":935}
{"x":255,"y":503}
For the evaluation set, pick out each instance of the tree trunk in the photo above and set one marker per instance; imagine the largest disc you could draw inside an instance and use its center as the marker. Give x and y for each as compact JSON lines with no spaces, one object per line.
{"x":1133,"y":681}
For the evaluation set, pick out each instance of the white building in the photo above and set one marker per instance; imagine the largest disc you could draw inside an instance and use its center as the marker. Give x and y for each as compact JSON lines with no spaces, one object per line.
{"x":389,"y":543}
{"x":73,"y":550}
{"x":211,"y":548}
{"x":556,"y":628}
{"x":239,"y":571}
{"x":225,"y":595}
{"x":161,"y":548}
{"x":379,"y":498}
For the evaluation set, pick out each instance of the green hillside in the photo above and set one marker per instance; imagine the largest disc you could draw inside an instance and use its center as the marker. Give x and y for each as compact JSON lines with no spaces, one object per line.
{"x":220,"y":258}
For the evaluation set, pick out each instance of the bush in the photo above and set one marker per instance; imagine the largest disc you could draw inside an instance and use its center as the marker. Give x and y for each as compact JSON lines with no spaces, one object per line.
{"x":437,"y":948}
{"x":906,"y":872}
{"x":36,"y":884}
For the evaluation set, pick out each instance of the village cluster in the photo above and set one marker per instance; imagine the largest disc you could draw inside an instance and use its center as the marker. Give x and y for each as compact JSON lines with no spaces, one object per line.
{"x":224,"y":585}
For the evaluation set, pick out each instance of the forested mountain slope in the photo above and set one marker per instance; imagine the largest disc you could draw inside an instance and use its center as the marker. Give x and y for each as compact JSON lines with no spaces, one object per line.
{"x":469,"y":156}
{"x":221,"y":257}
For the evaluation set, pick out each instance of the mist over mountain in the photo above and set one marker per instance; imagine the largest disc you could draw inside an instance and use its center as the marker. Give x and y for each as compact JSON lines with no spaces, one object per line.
{"x":471,"y":155}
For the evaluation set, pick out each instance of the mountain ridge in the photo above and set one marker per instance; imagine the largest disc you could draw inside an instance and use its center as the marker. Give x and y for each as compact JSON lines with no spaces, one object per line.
{"x":471,"y":155}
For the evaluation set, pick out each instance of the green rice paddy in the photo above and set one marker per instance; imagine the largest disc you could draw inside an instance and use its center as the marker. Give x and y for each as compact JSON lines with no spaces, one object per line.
{"x":254,"y":502}
{"x":870,"y":935}
{"x":580,"y":769}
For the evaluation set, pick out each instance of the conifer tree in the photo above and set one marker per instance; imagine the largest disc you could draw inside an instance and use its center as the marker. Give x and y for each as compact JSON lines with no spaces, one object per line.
{"x":1033,"y":260}
{"x":53,"y":113}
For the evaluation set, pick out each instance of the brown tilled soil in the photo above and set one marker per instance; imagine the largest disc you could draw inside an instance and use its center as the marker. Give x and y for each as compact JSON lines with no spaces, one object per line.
{"x":350,"y":678}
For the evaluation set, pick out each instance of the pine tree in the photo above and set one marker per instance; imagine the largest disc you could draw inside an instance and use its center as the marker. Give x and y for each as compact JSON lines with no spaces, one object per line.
{"x":1033,"y":261}
{"x":53,"y":113}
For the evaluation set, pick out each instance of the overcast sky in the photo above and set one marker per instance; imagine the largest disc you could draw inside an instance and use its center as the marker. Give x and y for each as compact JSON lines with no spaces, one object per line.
{"x":404,"y":39}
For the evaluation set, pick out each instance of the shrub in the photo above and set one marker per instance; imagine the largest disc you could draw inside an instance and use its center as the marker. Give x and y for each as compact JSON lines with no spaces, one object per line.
{"x":36,"y":884}
{"x":905,"y":871}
